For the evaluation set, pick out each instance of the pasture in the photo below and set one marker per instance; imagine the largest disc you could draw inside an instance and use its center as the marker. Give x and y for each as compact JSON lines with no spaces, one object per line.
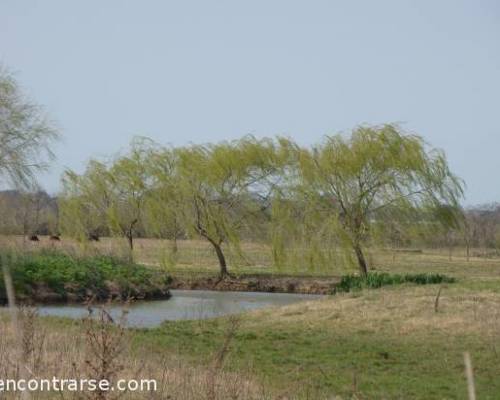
{"x":198,"y":257}
{"x":395,"y":342}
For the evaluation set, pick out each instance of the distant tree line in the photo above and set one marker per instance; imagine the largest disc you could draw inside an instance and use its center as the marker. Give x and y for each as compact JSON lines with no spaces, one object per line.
{"x":28,"y":213}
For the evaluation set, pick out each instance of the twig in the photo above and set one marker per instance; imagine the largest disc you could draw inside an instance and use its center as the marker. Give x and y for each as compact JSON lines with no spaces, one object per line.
{"x":436,"y":302}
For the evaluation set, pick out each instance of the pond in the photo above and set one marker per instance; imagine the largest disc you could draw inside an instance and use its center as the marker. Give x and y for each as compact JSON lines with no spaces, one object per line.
{"x":186,"y":304}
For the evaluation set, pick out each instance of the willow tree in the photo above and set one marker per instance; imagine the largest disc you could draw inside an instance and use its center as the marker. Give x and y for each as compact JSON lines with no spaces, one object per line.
{"x":163,"y":204}
{"x":26,"y":138}
{"x":223,"y":188}
{"x":84,"y":201}
{"x":359,"y":177}
{"x":107,"y":197}
{"x":26,"y":135}
{"x":128,"y":180}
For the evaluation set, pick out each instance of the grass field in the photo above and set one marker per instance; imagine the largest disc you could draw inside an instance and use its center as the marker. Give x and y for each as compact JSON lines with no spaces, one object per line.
{"x":198,"y":257}
{"x":387,"y":343}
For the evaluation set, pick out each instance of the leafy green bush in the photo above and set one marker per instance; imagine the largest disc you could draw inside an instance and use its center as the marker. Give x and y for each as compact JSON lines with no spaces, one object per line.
{"x":50,"y":275}
{"x":378,"y":279}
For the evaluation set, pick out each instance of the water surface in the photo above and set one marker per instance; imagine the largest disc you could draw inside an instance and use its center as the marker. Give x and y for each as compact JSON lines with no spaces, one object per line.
{"x":186,"y":304}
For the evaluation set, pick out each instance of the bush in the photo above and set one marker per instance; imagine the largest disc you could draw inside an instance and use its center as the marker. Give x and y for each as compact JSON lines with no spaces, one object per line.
{"x":378,"y":279}
{"x":56,"y":276}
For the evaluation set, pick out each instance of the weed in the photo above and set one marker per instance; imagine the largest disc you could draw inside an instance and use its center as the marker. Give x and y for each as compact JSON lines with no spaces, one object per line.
{"x":376,"y":280}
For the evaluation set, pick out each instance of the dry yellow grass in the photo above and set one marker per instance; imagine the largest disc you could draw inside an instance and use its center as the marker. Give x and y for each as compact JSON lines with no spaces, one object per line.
{"x":64,"y":350}
{"x":395,"y":311}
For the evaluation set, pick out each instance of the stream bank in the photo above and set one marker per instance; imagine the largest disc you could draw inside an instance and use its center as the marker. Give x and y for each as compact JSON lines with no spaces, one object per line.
{"x":257,"y":283}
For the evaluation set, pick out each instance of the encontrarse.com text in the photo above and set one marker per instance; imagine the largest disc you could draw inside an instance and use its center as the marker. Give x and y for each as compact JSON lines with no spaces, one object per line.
{"x":76,"y":385}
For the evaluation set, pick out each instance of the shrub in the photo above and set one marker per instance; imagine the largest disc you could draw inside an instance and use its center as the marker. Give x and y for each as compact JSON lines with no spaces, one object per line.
{"x":56,"y":276}
{"x":378,"y":279}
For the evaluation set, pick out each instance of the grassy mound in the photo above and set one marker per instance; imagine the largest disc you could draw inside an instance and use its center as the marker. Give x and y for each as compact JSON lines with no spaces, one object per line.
{"x":378,"y":279}
{"x":50,"y":276}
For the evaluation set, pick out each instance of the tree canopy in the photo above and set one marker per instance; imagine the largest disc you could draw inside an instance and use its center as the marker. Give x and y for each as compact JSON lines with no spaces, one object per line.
{"x":26,"y":135}
{"x":338,"y":193}
{"x":358,"y":178}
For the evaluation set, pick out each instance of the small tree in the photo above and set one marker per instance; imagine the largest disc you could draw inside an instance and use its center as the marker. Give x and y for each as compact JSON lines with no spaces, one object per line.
{"x":85,"y":201}
{"x":128,"y":185}
{"x":357,"y":178}
{"x":107,"y":198}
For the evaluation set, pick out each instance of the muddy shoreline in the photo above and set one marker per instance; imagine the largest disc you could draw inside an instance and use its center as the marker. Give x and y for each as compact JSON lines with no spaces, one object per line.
{"x":258,"y":283}
{"x":47,"y":297}
{"x":247,"y":283}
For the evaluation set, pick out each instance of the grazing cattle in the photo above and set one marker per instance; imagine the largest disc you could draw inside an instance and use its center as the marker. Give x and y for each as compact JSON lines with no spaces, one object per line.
{"x":55,"y":238}
{"x":34,"y":238}
{"x":93,"y":237}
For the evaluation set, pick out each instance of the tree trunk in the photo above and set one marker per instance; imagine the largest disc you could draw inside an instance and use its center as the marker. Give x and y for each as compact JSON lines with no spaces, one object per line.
{"x":363,"y":268}
{"x":221,"y":258}
{"x":129,"y":232}
{"x":130,"y":240}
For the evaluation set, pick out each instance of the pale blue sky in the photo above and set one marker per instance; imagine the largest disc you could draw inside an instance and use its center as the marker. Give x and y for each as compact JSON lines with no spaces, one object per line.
{"x":198,"y":71}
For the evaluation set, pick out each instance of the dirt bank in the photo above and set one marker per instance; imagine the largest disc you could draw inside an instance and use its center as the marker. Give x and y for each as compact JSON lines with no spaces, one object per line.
{"x":42,"y":294}
{"x":258,"y":283}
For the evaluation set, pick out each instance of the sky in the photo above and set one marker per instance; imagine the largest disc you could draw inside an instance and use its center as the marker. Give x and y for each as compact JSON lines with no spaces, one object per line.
{"x":189,"y":71}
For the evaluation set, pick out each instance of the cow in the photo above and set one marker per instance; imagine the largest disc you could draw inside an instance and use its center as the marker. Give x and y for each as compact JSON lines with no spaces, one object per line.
{"x":54,"y":238}
{"x":93,"y":237}
{"x":34,"y":238}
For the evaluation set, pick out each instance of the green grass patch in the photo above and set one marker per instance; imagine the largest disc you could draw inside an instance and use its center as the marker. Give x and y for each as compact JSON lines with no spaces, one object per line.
{"x":376,"y":280}
{"x":56,"y":276}
{"x":314,"y":362}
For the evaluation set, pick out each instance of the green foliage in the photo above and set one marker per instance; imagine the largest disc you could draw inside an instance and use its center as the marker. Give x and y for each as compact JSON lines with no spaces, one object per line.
{"x":107,"y":197}
{"x":351,"y":183}
{"x":84,"y":201}
{"x":163,"y":204}
{"x":318,"y":206}
{"x":77,"y":278}
{"x":376,"y":280}
{"x":303,"y":236}
{"x":224,"y":190}
{"x":127,"y":181}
